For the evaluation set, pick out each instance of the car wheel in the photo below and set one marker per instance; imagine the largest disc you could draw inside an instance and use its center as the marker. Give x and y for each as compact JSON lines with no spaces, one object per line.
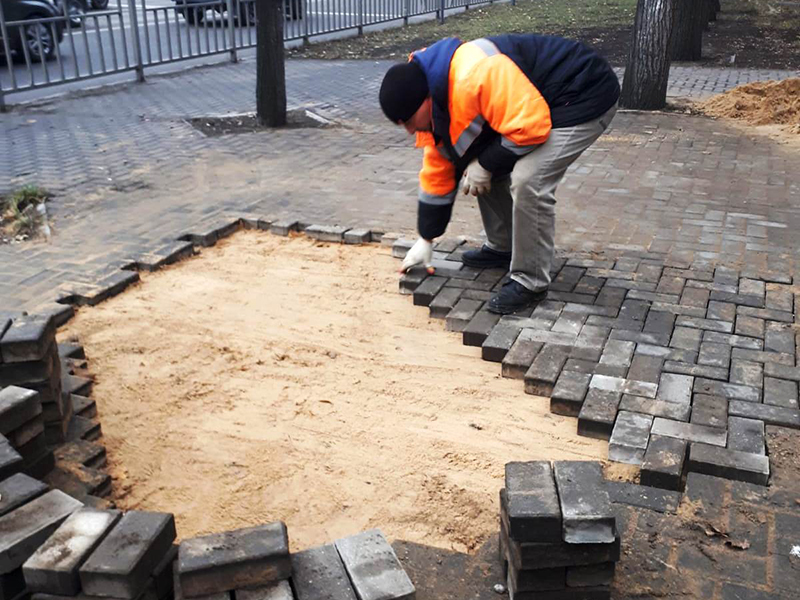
{"x":99,"y":4}
{"x":38,"y":39}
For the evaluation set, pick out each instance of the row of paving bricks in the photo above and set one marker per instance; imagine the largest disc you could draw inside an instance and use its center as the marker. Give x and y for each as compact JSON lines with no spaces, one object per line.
{"x":680,"y":368}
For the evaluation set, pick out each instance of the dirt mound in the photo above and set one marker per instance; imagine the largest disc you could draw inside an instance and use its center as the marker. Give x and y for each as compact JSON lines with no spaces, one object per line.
{"x":759,"y":103}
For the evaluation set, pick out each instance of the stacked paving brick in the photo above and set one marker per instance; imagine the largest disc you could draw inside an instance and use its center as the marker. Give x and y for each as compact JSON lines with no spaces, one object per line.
{"x":679,"y":368}
{"x":23,"y":442}
{"x":29,"y":358}
{"x":558,"y":538}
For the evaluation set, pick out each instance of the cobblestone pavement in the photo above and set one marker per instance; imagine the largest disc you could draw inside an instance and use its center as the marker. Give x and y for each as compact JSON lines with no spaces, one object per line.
{"x":688,"y":195}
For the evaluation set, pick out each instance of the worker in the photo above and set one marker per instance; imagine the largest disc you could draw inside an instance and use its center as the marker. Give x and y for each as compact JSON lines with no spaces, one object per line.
{"x":505,"y":117}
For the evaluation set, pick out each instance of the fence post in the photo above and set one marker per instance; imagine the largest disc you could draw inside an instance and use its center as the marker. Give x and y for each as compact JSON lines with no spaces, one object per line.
{"x":407,"y":10}
{"x":441,"y":12}
{"x":7,"y":54}
{"x":306,"y":20}
{"x":137,"y":47}
{"x":360,"y":17}
{"x":232,"y":30}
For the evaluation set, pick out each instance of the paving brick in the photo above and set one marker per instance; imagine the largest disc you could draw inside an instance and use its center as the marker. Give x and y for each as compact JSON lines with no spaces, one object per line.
{"x":670,"y":285}
{"x":531,"y":502}
{"x":318,"y":574}
{"x":706,"y":324}
{"x":580,"y":365}
{"x":598,"y":413}
{"x":426,"y":291}
{"x":721,"y":311}
{"x":744,"y":372}
{"x":499,"y":341}
{"x":780,"y":299}
{"x":551,"y":338}
{"x":590,"y":343}
{"x":623,"y":386}
{"x":411,"y":280}
{"x":478,"y":328}
{"x":17,"y":406}
{"x":663,"y":462}
{"x":730,"y":464}
{"x":569,"y":322}
{"x":178,"y":592}
{"x":738,"y":299}
{"x":711,"y":411}
{"x":771,"y":415}
{"x":610,"y":296}
{"x":731,"y":591}
{"x":675,"y":388}
{"x":629,"y":437}
{"x":401,"y":246}
{"x":679,"y":309}
{"x":282,"y":590}
{"x":780,"y":392}
{"x":123,"y":561}
{"x":634,"y":310}
{"x":696,"y":297}
{"x":660,"y":322}
{"x":782,"y":371}
{"x":641,"y":337}
{"x":18,"y":490}
{"x":656,"y":408}
{"x":641,"y":496}
{"x":760,"y":356}
{"x":444,"y":302}
{"x":766,"y":275}
{"x":616,"y":358}
{"x":461,"y":314}
{"x":765,"y":314}
{"x":519,"y":358}
{"x":728,"y":390}
{"x":589,"y":285}
{"x":357,"y":236}
{"x":666,"y":353}
{"x":586,"y":512}
{"x":557,"y":554}
{"x":695,"y":370}
{"x":752,"y":287}
{"x":27,"y":339}
{"x":736,"y":341}
{"x":686,"y":338}
{"x":373,"y":567}
{"x":569,"y":393}
{"x":749,"y":326}
{"x":26,"y":432}
{"x":780,"y":338}
{"x":645,"y":368}
{"x":541,"y":377}
{"x":689,"y":432}
{"x":53,"y":568}
{"x":246,"y":557}
{"x":535,"y":580}
{"x":326,"y":233}
{"x":746,"y":435}
{"x":653,"y":297}
{"x":26,"y":528}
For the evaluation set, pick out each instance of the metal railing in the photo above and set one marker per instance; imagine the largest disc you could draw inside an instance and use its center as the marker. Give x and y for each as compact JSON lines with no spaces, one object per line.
{"x":52,"y":46}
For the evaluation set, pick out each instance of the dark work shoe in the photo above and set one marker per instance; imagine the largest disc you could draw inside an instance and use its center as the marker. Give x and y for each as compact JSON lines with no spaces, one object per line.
{"x":513,"y":297}
{"x":486,"y":258}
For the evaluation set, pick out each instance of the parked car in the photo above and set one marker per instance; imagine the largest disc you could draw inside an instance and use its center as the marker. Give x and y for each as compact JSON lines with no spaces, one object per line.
{"x":245,"y":11}
{"x":75,"y":9}
{"x":41,"y":39}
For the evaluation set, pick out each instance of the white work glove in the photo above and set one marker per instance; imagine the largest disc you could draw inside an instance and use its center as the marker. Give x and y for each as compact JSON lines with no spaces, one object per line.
{"x":421,"y":253}
{"x":476,"y":180}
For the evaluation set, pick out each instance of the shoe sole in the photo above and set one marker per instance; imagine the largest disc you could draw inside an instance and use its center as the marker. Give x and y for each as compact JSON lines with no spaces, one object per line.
{"x":505,"y":264}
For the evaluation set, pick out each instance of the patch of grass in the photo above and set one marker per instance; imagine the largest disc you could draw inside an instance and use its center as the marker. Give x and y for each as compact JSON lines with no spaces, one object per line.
{"x":18,"y":211}
{"x":528,"y":16}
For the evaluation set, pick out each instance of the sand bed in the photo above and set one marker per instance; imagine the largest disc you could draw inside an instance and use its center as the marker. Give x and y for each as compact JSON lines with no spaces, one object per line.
{"x":285,"y":379}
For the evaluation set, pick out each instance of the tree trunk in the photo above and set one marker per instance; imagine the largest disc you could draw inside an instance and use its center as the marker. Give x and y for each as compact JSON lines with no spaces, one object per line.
{"x":270,"y":68}
{"x":713,"y":8}
{"x":687,"y":30}
{"x":647,"y":71}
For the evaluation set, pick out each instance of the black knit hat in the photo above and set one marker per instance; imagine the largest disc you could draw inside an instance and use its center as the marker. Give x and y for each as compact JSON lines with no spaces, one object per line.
{"x":403,"y":91}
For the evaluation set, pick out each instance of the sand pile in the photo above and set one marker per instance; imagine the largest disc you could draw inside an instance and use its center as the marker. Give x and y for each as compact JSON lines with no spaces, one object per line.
{"x":759,"y":103}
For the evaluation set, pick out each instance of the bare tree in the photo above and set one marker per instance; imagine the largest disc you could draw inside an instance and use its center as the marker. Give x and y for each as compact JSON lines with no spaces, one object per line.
{"x":647,"y":71}
{"x":270,"y":67}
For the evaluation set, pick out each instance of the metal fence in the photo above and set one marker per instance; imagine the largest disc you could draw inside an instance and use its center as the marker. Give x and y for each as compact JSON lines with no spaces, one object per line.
{"x":43,"y":45}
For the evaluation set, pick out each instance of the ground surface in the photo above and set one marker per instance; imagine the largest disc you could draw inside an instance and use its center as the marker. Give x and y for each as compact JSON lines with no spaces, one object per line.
{"x":336,"y":406}
{"x":756,"y":33}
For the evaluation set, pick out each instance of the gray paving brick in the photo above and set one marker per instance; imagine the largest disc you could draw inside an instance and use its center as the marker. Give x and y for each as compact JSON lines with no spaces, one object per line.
{"x":569,"y":322}
{"x":737,"y":341}
{"x":738,"y":299}
{"x":426,"y":291}
{"x":664,"y":462}
{"x":654,"y":297}
{"x":598,"y":413}
{"x":730,"y":464}
{"x":17,"y":406}
{"x":444,"y":302}
{"x":711,"y":411}
{"x":656,"y":408}
{"x":640,"y":337}
{"x":479,"y":328}
{"x":771,"y":415}
{"x":282,"y":590}
{"x":461,"y":314}
{"x":519,"y":358}
{"x":541,"y":378}
{"x":641,"y":496}
{"x":569,"y":393}
{"x":667,"y":353}
{"x":531,"y":501}
{"x":728,"y":390}
{"x":697,"y":297}
{"x":18,"y":490}
{"x":123,"y":561}
{"x":580,"y":365}
{"x":27,"y":339}
{"x":616,"y":358}
{"x":318,"y":574}
{"x":707,"y":324}
{"x":746,"y":435}
{"x":586,"y":512}
{"x":634,"y":310}
{"x":765,"y":314}
{"x":411,"y":280}
{"x":779,"y":337}
{"x":696,"y":370}
{"x":767,"y":275}
{"x":670,"y":285}
{"x":357,"y":236}
{"x":721,"y":311}
{"x":590,"y":343}
{"x":218,"y":562}
{"x":552,"y":338}
{"x":749,"y":326}
{"x":679,"y":309}
{"x":689,"y":432}
{"x":780,"y":298}
{"x":591,"y":575}
{"x":780,"y":392}
{"x":610,"y":296}
{"x":782,"y":371}
{"x":675,"y":388}
{"x":747,"y":373}
{"x":53,"y":568}
{"x":25,"y":529}
{"x":499,"y":341}
{"x":326,"y":233}
{"x":752,"y":287}
{"x":401,"y":247}
{"x":628,"y":324}
{"x":629,"y":437}
{"x":623,"y":386}
{"x":645,"y":368}
{"x":373,"y":568}
{"x":686,"y":338}
{"x":742,"y":354}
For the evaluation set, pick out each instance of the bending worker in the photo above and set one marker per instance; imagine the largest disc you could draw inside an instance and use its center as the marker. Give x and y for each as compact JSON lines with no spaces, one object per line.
{"x":505,"y":116}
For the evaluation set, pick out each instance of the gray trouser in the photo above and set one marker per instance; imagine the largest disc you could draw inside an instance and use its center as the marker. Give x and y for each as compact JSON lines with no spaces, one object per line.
{"x":519,"y":212}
